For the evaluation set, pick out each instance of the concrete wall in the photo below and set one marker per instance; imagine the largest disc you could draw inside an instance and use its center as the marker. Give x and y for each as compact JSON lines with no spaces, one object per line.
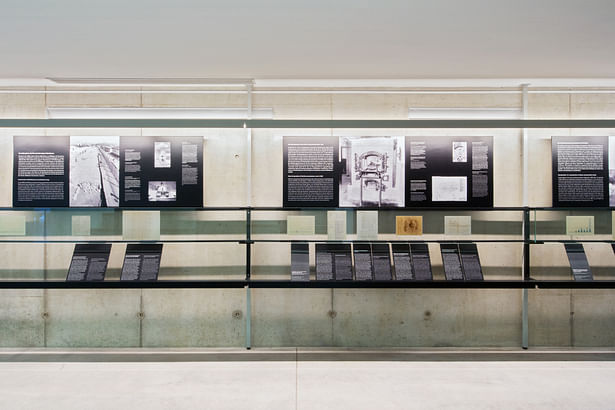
{"x":300,"y":317}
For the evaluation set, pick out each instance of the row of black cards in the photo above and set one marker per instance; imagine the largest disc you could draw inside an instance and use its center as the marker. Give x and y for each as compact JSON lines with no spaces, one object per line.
{"x":89,"y":262}
{"x":578,"y":261}
{"x":384,"y":261}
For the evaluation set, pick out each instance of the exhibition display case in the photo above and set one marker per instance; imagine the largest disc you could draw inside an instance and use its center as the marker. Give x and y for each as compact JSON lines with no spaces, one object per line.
{"x":366,"y":235}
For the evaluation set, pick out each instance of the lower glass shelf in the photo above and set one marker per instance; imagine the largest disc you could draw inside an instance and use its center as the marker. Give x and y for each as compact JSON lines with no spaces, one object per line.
{"x":272,"y":284}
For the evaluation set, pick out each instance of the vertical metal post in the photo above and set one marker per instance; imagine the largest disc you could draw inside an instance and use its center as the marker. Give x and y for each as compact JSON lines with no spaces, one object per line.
{"x":526,"y":223}
{"x":249,"y":221}
{"x":526,"y":277}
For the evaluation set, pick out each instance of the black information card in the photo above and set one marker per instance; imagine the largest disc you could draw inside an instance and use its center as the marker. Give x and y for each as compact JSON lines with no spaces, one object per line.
{"x":89,"y":262}
{"x":300,"y":262}
{"x":142,"y":262}
{"x":578,"y":262}
{"x":470,"y":261}
{"x":421,"y":264}
{"x":381,"y":261}
{"x":451,"y":261}
{"x":402,"y":262}
{"x":363,"y":261}
{"x":333,"y":261}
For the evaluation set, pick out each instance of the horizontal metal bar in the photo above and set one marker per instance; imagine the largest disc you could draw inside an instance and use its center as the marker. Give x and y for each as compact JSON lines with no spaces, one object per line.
{"x":400,"y":209}
{"x":273,"y":284}
{"x":268,"y":123}
{"x":123,"y":241}
{"x":389,"y":241}
{"x":116,"y":284}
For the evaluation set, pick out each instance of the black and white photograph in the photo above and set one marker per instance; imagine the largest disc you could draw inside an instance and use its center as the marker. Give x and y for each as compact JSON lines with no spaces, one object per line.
{"x":162,"y":191}
{"x":94,"y":171}
{"x":372,"y":172}
{"x":611,"y":170}
{"x":162,"y":154}
{"x":460,"y":151}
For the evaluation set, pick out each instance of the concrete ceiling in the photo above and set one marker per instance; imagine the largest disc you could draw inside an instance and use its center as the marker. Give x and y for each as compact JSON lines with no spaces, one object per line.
{"x":307,"y":38}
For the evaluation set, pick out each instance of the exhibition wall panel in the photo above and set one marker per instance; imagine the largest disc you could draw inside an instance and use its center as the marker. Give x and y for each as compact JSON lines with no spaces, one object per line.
{"x":304,"y":317}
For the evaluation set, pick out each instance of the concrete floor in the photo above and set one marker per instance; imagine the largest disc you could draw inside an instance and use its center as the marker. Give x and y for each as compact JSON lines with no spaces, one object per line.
{"x":266,"y":381}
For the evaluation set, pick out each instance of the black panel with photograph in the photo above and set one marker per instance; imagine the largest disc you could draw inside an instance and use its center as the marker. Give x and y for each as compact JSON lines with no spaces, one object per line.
{"x":579,"y":171}
{"x":161,"y":171}
{"x":40,"y":171}
{"x":449,"y":171}
{"x":89,"y":262}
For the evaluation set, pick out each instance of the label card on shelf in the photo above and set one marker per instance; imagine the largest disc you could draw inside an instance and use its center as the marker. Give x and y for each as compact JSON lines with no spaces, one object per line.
{"x":81,"y":225}
{"x":363,"y":261}
{"x":324,"y":262}
{"x":141,"y":225}
{"x":333,"y":261}
{"x":12,"y":223}
{"x":336,"y":225}
{"x":421,"y":263}
{"x":580,"y":225}
{"x":300,"y":225}
{"x":381,"y":257}
{"x":402,"y":262}
{"x":89,"y":262}
{"x":408,"y":225}
{"x":578,"y":262}
{"x":300,"y":262}
{"x":470,"y":261}
{"x":342,"y":261}
{"x":367,"y":225}
{"x":451,"y":261}
{"x":457,"y":225}
{"x":142,"y":261}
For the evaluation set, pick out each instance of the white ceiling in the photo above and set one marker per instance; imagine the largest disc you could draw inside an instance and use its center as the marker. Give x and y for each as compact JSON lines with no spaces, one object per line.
{"x":307,"y":38}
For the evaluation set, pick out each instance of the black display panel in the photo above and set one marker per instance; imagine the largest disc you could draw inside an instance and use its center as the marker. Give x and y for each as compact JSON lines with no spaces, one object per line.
{"x":449,"y":171}
{"x":311,"y":176}
{"x":381,"y":261}
{"x":421,"y":263}
{"x":578,"y":262}
{"x":470,"y":261}
{"x":580,"y":171}
{"x":89,"y":262}
{"x":363,"y":261}
{"x":161,"y":171}
{"x":142,"y":262}
{"x":402,"y":261}
{"x":40,"y":171}
{"x":107,"y":171}
{"x":300,"y":262}
{"x":451,"y":261}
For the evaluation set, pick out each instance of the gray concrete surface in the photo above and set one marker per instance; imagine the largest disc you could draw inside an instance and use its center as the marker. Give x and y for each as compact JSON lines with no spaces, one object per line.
{"x":472,"y":383}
